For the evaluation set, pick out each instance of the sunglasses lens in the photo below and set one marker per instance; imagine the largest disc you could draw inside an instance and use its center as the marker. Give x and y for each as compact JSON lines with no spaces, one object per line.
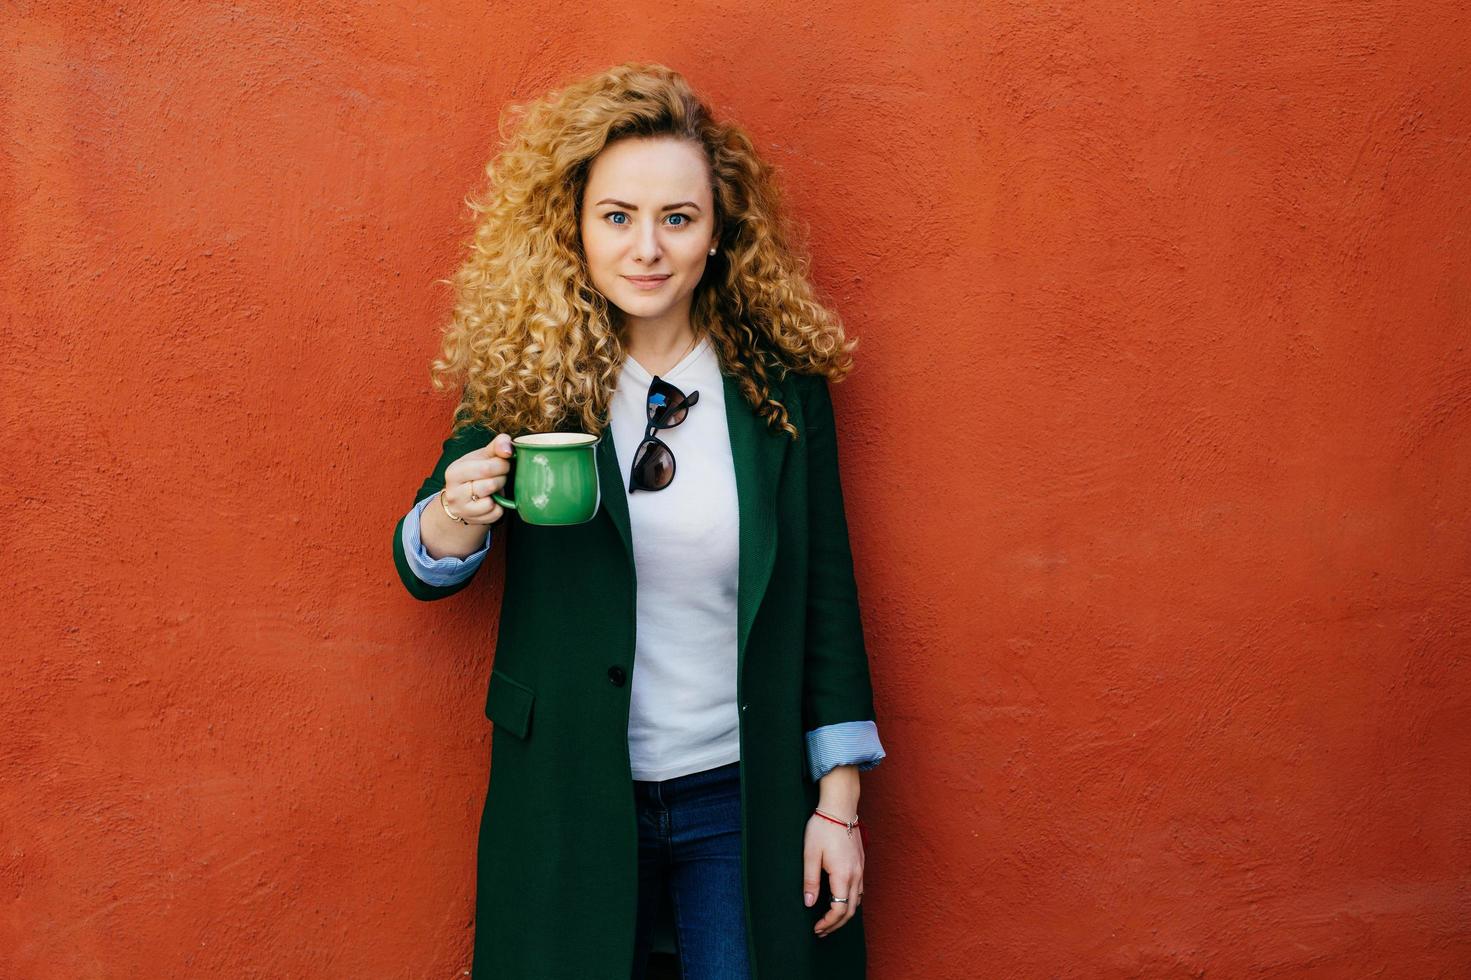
{"x":653,"y":466}
{"x":658,"y":402}
{"x":667,"y":405}
{"x":676,"y":414}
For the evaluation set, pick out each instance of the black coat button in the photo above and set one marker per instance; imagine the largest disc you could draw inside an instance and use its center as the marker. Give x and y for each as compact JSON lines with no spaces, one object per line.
{"x":616,"y":675}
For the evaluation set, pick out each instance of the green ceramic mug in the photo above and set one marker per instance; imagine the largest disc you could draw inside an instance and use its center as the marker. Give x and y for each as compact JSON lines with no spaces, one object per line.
{"x":556,"y":478}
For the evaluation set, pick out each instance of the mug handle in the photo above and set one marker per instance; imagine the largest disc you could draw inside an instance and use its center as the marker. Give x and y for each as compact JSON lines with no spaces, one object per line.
{"x":506,"y":502}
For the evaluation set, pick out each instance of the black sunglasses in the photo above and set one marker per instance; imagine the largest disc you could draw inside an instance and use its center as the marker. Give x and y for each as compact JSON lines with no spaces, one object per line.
{"x":653,"y":462}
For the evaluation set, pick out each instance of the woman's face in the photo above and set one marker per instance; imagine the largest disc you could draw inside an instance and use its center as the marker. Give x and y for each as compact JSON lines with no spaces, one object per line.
{"x":647,"y":211}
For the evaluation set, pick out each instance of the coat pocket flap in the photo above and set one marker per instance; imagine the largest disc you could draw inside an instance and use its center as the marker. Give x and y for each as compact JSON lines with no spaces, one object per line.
{"x":508,"y":704}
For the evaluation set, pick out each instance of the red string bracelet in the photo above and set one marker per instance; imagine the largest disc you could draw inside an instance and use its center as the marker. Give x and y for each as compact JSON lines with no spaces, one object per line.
{"x":862,"y":830}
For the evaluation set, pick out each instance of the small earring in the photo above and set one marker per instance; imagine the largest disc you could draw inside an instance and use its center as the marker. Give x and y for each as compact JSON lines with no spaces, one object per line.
{"x":712,"y":251}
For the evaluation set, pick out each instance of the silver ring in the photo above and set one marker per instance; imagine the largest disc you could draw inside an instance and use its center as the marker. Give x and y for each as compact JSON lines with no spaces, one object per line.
{"x":840,"y":901}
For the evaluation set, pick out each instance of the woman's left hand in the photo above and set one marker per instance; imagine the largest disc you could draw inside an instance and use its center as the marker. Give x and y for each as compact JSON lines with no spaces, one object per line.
{"x":828,"y":847}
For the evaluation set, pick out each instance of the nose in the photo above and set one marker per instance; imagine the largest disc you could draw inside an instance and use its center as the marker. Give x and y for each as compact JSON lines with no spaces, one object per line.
{"x":646,"y":246}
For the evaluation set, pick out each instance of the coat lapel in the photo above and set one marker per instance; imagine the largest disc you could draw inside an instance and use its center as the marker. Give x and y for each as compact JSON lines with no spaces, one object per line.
{"x":613,"y":489}
{"x":758,"y":454}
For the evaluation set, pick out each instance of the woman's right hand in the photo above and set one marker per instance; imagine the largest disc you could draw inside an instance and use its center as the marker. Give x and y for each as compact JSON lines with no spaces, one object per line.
{"x":482,"y":473}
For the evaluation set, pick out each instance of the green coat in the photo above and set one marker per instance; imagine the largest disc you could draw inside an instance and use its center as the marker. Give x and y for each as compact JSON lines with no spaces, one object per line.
{"x":558,"y":848}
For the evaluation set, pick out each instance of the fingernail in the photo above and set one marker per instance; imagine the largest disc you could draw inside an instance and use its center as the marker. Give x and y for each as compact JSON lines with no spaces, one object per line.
{"x":808,"y":899}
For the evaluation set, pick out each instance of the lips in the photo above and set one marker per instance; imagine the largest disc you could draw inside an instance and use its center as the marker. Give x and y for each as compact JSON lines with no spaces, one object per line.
{"x":647,"y":284}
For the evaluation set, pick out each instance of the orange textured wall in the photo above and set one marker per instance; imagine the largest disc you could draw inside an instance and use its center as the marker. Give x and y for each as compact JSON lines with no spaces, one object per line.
{"x":1156,"y":459}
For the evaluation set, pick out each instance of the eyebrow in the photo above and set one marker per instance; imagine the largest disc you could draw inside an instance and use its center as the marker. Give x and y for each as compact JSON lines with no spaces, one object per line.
{"x":634,"y":207}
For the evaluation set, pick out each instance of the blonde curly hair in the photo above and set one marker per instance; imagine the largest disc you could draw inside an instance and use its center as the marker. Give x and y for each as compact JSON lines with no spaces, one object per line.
{"x":533,"y":346}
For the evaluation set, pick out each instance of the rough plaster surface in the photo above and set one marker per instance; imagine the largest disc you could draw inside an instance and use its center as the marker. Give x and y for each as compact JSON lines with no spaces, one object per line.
{"x":1157,"y":466}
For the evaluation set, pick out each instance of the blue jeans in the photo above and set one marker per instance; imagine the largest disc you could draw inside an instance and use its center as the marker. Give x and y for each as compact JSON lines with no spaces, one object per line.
{"x":689,"y":849}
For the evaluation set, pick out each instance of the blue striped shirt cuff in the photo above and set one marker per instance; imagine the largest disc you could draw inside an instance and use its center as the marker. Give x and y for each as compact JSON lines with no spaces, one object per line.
{"x":846,"y":743}
{"x":437,"y":571}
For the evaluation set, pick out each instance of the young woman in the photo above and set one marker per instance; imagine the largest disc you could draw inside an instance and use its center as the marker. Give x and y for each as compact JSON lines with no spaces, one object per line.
{"x":680,"y":690}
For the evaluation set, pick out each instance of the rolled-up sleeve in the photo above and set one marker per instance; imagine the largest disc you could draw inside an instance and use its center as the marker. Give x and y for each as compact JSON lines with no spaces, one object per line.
{"x":846,"y":743}
{"x":448,"y":570}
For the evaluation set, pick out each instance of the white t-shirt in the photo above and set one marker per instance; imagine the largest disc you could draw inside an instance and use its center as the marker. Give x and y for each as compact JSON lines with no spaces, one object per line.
{"x":686,"y":551}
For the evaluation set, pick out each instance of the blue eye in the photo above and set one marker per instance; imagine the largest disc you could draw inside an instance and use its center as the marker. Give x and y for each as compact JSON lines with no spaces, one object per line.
{"x":684,"y":222}
{"x":612,"y":213}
